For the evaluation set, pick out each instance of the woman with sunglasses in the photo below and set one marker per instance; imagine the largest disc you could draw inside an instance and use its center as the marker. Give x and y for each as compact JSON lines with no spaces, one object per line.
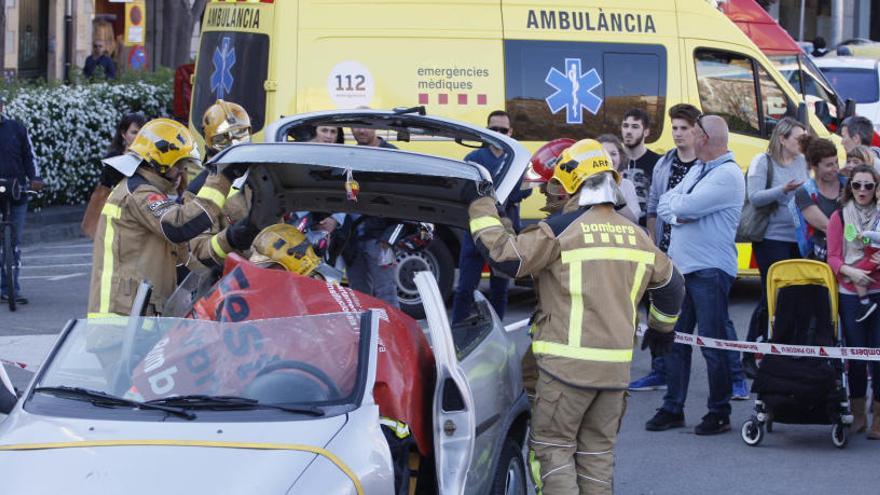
{"x":855,"y":267}
{"x":787,"y":169}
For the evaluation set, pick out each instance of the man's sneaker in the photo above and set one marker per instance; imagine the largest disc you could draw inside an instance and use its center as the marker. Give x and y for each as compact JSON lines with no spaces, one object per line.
{"x":18,"y":299}
{"x":867,"y":309}
{"x":651,"y":381}
{"x":713,"y":424}
{"x":740,"y":390}
{"x":665,"y":420}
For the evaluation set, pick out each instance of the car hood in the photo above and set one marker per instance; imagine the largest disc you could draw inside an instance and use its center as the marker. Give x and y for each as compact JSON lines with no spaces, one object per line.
{"x":297,"y":176}
{"x":86,"y":457}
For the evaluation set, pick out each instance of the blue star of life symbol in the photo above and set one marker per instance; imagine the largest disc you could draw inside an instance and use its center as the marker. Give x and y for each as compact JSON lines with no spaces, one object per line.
{"x":224,"y":59}
{"x":574,"y":91}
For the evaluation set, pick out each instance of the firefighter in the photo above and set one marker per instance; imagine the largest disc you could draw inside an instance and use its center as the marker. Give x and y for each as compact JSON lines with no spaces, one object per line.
{"x":591,"y":267}
{"x":283,"y":246}
{"x":224,"y":124}
{"x":141,"y":229}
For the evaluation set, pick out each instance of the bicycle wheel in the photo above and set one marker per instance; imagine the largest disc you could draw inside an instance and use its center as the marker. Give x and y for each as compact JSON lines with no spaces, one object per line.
{"x":9,"y":264}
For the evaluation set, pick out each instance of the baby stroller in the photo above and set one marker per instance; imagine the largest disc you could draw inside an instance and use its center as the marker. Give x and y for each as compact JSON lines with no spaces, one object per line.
{"x":802,"y":304}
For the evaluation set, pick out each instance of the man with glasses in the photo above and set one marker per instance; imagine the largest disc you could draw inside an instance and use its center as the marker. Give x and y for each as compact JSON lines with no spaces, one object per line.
{"x":704,"y":211}
{"x":470,"y":261}
{"x":100,"y":58}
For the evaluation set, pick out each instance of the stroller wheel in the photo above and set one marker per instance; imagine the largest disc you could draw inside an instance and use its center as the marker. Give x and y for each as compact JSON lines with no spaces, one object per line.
{"x":752,"y":432}
{"x":839,"y":435}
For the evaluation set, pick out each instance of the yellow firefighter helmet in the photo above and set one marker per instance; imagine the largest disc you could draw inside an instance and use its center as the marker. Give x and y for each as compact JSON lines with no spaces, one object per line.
{"x":285,"y":245}
{"x":163,"y":143}
{"x":225,"y":123}
{"x":579,"y":161}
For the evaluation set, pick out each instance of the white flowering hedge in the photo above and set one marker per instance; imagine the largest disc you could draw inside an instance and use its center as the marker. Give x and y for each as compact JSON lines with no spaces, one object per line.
{"x":71,"y":127}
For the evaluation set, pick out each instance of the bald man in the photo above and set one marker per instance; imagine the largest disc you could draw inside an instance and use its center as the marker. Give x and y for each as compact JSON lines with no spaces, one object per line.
{"x":704,"y":210}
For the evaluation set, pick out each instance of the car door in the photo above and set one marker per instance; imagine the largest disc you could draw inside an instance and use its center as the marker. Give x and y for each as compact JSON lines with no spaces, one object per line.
{"x":453,"y":409}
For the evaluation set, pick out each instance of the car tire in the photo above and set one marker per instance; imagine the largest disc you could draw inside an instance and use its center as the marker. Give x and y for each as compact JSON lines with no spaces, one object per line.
{"x":510,"y":475}
{"x":435,"y":258}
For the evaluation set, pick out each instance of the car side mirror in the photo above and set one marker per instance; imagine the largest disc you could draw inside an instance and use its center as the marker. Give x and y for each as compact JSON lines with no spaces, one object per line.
{"x":850,"y":108}
{"x":821,"y":109}
{"x":802,"y":115}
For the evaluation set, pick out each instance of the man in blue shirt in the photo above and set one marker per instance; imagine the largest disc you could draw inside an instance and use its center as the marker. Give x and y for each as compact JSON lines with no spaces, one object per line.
{"x":704,"y":211}
{"x":17,"y":163}
{"x":100,"y":58}
{"x":470,"y":261}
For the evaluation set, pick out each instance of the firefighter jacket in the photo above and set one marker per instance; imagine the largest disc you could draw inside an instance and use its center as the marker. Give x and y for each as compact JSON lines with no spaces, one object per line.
{"x":210,"y":248}
{"x":591,"y":268}
{"x":139,"y":237}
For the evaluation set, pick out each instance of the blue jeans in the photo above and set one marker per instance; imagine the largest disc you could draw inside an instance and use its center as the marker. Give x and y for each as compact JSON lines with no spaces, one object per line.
{"x":367,"y":276}
{"x":864,"y":334}
{"x":705,"y":306}
{"x":658,"y":364}
{"x":470,"y":271}
{"x":19,"y":213}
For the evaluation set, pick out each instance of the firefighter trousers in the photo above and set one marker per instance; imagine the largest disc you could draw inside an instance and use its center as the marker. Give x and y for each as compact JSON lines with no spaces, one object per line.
{"x":573,"y":435}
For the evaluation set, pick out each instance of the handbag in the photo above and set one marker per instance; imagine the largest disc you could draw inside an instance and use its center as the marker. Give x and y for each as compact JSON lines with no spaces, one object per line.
{"x":93,"y":211}
{"x":754,"y":220}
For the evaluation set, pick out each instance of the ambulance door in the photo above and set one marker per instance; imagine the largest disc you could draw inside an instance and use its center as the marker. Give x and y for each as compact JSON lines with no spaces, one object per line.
{"x":453,"y":410}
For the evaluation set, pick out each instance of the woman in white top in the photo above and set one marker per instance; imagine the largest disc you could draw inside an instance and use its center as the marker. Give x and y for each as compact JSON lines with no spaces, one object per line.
{"x":614,"y":148}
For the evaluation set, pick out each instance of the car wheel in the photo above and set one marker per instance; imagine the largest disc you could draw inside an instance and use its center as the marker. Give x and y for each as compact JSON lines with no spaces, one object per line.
{"x":437,"y":259}
{"x":510,"y":476}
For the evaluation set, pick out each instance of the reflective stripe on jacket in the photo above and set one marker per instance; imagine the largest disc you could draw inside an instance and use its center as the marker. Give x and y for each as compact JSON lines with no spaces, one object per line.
{"x":140,"y":235}
{"x":591,"y":268}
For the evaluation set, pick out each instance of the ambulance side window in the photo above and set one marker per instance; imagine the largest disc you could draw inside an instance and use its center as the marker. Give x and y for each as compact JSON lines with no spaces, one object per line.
{"x":774,"y":102}
{"x":726,"y":83}
{"x":576,"y":89}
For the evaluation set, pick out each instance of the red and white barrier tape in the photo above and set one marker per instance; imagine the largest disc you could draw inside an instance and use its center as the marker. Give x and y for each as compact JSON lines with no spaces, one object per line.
{"x":854,"y":353}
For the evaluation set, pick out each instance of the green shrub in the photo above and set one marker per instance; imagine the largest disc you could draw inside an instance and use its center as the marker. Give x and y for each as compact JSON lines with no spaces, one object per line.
{"x":71,"y":127}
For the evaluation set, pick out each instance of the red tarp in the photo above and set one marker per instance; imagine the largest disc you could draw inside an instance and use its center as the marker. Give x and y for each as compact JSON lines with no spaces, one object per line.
{"x":405,"y":368}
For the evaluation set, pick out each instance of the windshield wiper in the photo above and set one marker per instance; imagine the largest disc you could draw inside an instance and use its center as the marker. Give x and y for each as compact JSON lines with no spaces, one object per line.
{"x":99,"y":398}
{"x":230,"y":402}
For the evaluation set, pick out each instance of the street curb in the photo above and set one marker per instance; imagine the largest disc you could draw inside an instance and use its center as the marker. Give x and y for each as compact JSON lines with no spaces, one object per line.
{"x":53,"y":224}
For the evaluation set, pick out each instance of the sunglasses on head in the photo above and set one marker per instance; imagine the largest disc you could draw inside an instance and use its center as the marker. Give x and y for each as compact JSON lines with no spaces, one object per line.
{"x":500,"y":130}
{"x":866,"y":186}
{"x":700,"y":125}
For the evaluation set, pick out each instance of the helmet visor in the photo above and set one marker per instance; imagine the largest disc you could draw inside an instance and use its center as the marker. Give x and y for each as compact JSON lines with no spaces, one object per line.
{"x":231,"y":137}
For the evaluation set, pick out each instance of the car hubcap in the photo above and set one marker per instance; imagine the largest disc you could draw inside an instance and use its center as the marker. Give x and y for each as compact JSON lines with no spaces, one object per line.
{"x":408,"y":264}
{"x":514,"y":478}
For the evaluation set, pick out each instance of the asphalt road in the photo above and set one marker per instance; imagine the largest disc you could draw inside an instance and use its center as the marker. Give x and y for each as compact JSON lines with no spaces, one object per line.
{"x":793,"y":459}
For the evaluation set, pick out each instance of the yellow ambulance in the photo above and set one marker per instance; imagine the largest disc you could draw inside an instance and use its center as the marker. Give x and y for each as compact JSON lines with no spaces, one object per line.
{"x":561,"y":68}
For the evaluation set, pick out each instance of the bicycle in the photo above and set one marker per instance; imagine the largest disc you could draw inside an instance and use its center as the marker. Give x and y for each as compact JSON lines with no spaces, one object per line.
{"x":10,"y":190}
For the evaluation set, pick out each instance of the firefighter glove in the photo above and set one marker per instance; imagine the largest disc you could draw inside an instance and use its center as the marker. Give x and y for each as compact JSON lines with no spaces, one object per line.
{"x":241,"y":234}
{"x":660,"y":343}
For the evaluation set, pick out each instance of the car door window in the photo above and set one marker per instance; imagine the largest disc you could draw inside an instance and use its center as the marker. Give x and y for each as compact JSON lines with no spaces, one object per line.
{"x":775,"y":104}
{"x":726,"y":83}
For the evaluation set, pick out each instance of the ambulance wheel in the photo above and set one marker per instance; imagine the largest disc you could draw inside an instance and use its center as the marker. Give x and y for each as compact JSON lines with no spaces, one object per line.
{"x":839,"y":435}
{"x":436,"y":259}
{"x":510,"y":475}
{"x":752,"y":432}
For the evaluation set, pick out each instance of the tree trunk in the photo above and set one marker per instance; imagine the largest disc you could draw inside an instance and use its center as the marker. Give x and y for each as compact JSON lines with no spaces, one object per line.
{"x":2,"y":35}
{"x":178,"y":19}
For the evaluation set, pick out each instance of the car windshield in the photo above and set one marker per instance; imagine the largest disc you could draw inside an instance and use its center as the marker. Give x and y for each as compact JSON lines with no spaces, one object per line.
{"x":859,"y":84}
{"x":313,"y":360}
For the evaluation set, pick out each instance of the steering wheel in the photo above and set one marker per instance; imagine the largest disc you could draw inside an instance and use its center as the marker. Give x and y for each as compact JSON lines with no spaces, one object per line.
{"x":313,"y":371}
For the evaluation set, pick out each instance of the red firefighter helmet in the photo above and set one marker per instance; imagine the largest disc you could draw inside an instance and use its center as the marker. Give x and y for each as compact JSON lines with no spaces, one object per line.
{"x":543,"y":160}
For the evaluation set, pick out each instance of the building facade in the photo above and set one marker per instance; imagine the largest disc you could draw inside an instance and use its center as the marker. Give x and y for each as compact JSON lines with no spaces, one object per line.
{"x":834,"y":20}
